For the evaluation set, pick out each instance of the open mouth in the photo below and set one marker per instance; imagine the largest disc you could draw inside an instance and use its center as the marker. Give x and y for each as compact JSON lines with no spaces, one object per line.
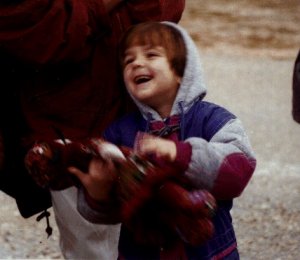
{"x":142,"y":79}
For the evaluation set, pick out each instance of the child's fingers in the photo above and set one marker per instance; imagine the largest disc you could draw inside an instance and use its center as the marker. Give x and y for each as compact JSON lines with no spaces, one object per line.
{"x":141,"y":140}
{"x":164,"y":149}
{"x":101,"y":169}
{"x":149,"y":144}
{"x":78,"y":173}
{"x":98,"y":180}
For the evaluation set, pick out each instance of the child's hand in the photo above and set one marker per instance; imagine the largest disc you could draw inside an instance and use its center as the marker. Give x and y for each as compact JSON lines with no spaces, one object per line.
{"x":99,"y":179}
{"x":161,"y":148}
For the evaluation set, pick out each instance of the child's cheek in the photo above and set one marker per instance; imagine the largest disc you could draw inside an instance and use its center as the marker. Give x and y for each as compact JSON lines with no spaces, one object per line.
{"x":126,"y":77}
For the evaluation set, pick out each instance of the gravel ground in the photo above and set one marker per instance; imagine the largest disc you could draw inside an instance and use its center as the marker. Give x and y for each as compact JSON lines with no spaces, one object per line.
{"x":252,"y":81}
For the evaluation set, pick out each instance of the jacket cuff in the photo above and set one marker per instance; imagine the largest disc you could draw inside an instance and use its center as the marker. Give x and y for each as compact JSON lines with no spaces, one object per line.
{"x":183,"y":156}
{"x":101,"y":206}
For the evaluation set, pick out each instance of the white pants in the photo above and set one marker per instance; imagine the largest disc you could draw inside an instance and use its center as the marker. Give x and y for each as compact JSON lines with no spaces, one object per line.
{"x":80,"y":239}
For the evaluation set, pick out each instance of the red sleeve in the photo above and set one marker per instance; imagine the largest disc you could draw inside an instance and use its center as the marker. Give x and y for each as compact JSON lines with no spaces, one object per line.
{"x":234,"y":175}
{"x":155,"y":10}
{"x":45,"y":30}
{"x":183,"y":156}
{"x":53,"y":30}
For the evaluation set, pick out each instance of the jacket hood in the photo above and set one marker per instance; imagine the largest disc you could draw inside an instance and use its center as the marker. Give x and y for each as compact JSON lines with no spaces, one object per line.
{"x":192,"y":86}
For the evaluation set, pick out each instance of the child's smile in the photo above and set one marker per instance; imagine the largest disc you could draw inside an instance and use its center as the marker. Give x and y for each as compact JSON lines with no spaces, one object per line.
{"x":140,"y":79}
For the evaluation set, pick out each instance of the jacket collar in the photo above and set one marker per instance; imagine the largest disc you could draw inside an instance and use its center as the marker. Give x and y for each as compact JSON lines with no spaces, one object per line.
{"x":165,"y":127}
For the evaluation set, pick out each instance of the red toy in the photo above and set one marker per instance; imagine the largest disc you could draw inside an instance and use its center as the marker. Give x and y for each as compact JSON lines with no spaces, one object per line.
{"x":157,"y":204}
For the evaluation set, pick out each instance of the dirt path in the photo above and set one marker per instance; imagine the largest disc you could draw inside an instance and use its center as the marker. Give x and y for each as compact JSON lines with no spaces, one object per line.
{"x":257,"y":27}
{"x":249,"y":48}
{"x":267,"y":215}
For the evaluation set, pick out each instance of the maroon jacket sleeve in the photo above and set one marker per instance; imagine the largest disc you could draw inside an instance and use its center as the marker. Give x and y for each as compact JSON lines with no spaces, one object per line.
{"x":45,"y":30}
{"x":54,"y":30}
{"x":158,"y":10}
{"x":183,"y":156}
{"x":296,"y":90}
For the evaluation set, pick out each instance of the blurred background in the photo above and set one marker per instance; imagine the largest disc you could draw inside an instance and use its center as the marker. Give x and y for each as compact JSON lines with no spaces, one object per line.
{"x":248,"y":49}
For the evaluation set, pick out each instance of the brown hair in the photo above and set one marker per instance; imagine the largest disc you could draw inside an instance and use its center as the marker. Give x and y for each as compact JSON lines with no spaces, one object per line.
{"x":157,"y":34}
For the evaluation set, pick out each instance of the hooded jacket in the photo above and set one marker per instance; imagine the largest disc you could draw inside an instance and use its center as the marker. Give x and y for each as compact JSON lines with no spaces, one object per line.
{"x":212,"y":147}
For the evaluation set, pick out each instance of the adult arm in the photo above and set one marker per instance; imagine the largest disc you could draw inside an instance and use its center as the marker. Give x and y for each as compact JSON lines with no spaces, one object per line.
{"x":53,"y":30}
{"x":155,"y":10}
{"x":45,"y":30}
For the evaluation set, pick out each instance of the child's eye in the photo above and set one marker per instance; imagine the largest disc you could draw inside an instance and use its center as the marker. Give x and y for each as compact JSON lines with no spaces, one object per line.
{"x":128,"y":60}
{"x":152,"y":54}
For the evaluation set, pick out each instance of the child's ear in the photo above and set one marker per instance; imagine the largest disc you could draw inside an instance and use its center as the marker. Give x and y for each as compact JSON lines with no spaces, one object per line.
{"x":178,"y":79}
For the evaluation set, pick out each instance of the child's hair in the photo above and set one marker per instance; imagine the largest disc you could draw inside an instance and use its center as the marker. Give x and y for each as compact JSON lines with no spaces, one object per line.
{"x":157,"y":34}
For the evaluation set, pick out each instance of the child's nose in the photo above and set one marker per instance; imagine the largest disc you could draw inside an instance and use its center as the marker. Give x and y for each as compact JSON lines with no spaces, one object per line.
{"x":139,"y":61}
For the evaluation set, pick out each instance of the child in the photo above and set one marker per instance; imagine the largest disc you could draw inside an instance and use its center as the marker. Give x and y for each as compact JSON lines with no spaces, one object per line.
{"x":163,"y":75}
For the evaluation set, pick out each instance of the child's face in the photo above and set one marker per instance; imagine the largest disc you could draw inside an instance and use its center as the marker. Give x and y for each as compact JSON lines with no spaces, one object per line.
{"x":149,"y":77}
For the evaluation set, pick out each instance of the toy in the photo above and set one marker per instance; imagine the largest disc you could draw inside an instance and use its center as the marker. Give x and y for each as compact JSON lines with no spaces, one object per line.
{"x":157,"y":204}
